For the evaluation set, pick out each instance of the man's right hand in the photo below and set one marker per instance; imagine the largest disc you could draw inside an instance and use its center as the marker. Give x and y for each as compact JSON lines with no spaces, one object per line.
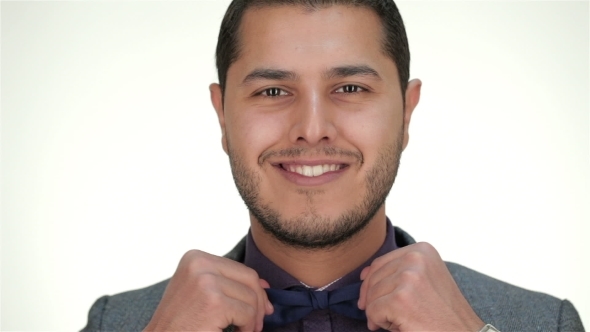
{"x":209,"y":293}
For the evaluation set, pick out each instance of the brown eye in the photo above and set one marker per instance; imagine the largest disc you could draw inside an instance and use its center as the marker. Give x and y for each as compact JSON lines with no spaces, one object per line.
{"x":273,"y":92}
{"x":350,"y":89}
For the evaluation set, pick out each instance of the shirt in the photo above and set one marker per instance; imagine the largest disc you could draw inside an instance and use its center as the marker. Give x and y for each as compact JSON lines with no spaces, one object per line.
{"x":318,"y":320}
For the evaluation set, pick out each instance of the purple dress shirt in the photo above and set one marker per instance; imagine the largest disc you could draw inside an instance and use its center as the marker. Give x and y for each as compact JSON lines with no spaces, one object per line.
{"x":318,"y":320}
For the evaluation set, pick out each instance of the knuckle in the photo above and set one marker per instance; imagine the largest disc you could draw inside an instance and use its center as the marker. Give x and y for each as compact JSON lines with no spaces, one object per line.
{"x":251,"y":275}
{"x":250,"y":311}
{"x":416,"y":258}
{"x":188,"y":256}
{"x":370,"y":311}
{"x":410,"y":277}
{"x":193,"y":261}
{"x":402,"y":297}
{"x":214,"y":301}
{"x":199,"y":261}
{"x":427,"y":248}
{"x":206,"y":281}
{"x":376,"y":310}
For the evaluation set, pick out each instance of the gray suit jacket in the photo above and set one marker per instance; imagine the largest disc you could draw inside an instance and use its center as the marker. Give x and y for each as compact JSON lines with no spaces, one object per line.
{"x":507,"y":307}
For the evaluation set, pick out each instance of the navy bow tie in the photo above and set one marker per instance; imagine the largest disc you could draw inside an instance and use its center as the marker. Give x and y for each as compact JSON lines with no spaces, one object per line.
{"x":292,"y":305}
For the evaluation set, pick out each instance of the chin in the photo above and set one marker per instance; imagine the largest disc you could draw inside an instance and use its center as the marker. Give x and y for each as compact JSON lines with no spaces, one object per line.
{"x":311,"y":230}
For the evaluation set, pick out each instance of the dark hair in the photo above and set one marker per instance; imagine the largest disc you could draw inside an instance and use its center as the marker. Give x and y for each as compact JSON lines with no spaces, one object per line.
{"x":395,"y":41}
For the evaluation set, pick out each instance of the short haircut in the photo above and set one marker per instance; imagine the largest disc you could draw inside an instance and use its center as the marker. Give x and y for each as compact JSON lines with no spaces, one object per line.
{"x":395,"y":40}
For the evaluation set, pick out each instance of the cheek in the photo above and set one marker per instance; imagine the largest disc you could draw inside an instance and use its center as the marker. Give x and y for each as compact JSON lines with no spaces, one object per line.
{"x":252,"y":132}
{"x":370,"y":129}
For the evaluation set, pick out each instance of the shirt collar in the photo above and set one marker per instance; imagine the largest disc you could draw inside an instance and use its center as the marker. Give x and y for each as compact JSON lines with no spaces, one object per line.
{"x":280,"y":279}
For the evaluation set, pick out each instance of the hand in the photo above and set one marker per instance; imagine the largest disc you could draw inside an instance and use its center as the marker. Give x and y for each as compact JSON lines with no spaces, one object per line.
{"x":411,"y":289}
{"x":209,"y":293}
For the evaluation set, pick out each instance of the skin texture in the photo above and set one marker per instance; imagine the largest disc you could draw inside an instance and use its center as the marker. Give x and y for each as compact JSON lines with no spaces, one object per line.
{"x":411,"y":289}
{"x":209,"y":293}
{"x":313,"y":111}
{"x":288,"y":102}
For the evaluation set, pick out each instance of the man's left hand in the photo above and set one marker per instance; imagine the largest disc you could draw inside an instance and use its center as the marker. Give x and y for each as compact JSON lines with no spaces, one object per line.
{"x":411,"y":289}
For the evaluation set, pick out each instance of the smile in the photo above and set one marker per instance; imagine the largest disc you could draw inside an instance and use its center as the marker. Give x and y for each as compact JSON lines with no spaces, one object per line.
{"x":312,"y":171}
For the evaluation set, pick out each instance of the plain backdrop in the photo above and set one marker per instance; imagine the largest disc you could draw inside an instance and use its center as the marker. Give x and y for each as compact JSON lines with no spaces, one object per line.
{"x":112,"y":164}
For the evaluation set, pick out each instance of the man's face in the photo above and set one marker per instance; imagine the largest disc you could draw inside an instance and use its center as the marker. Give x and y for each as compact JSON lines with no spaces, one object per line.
{"x":313,"y":121}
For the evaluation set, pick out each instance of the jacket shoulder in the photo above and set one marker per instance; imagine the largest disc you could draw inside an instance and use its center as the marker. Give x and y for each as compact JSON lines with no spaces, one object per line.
{"x":511,"y":308}
{"x":128,"y":311}
{"x":133,"y":310}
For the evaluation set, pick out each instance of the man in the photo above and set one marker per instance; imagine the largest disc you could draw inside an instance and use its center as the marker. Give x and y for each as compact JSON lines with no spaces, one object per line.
{"x":314,"y":103}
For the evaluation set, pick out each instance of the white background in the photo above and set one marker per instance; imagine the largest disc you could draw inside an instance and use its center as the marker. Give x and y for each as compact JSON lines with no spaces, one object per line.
{"x":112,"y":165}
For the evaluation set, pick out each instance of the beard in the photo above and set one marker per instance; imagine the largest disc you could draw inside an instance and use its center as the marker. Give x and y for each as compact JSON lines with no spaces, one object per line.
{"x":311,"y":230}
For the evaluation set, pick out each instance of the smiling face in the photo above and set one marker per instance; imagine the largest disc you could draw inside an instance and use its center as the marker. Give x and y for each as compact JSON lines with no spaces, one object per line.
{"x":313,"y":121}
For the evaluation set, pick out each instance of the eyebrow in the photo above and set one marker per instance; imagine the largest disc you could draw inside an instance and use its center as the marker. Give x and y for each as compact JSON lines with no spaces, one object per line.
{"x":347,"y":71}
{"x":269,"y":74}
{"x":285,"y":75}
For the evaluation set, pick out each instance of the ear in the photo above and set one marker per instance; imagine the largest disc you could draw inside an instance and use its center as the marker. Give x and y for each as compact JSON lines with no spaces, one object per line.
{"x":412,"y":99}
{"x":217,"y":101}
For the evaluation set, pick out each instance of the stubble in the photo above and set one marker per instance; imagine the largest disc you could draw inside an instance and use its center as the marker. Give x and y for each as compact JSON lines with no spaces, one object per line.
{"x":310,"y":230}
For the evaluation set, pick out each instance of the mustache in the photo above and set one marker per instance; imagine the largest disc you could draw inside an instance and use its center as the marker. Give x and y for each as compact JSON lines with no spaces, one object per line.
{"x":320,"y":151}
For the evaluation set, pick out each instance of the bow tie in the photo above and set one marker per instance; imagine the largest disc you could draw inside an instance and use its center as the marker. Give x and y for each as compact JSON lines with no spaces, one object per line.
{"x":292,"y":305}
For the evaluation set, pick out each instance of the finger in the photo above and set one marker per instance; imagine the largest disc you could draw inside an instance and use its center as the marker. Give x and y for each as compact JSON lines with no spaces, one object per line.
{"x":245,"y":275}
{"x":382,"y":278}
{"x":385,"y":259}
{"x":269,"y":309}
{"x":241,"y":315}
{"x":264,"y":305}
{"x":413,"y":256}
{"x":226,"y":267}
{"x":363,"y":290}
{"x":380,"y":314}
{"x":421,"y":249}
{"x":362,"y":302}
{"x":367,"y":273}
{"x":252,"y":281}
{"x":263,"y":283}
{"x":200,"y":262}
{"x":383,"y":281}
{"x":373,"y":275}
{"x":243,"y":293}
{"x":268,"y":306}
{"x":364,"y":272}
{"x":222,"y":302}
{"x":238,"y":291}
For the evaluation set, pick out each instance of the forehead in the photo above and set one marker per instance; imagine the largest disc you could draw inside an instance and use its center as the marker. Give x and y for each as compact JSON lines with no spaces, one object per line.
{"x":304,"y":40}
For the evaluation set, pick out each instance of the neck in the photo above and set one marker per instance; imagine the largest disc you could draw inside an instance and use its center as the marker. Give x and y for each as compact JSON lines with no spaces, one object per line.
{"x":319,"y":267}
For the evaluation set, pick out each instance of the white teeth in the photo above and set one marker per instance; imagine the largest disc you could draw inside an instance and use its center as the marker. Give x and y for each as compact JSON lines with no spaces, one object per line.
{"x":317,"y":170}
{"x":312,"y":171}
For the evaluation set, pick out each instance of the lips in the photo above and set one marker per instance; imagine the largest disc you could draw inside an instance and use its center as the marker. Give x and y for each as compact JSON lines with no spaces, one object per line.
{"x":311,"y":170}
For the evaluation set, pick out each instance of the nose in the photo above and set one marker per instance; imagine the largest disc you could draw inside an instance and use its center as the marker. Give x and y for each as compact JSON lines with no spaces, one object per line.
{"x":313,"y":121}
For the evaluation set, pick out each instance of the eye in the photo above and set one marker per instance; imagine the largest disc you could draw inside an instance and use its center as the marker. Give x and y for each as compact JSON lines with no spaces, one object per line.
{"x":273,"y":92}
{"x":349,"y":89}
